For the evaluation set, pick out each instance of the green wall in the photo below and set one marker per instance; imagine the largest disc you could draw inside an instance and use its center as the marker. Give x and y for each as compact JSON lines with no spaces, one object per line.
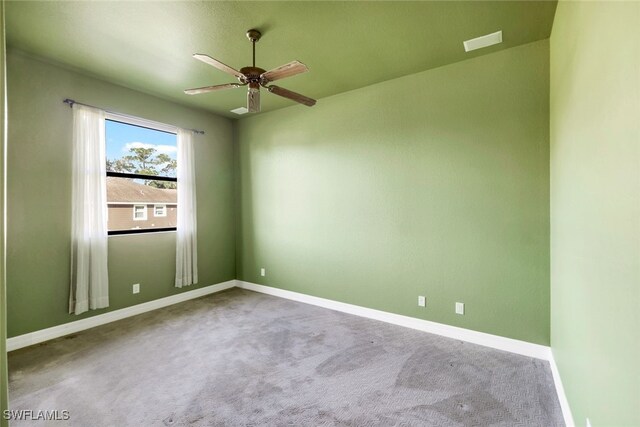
{"x":595,"y":209}
{"x":3,"y":306}
{"x":39,"y":197}
{"x":432,"y":184}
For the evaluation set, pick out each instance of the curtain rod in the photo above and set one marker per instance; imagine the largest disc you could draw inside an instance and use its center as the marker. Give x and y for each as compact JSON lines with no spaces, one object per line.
{"x":71,"y":102}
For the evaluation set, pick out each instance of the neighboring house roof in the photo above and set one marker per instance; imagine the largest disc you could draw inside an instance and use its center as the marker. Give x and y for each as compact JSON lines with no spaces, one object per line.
{"x":126,"y":191}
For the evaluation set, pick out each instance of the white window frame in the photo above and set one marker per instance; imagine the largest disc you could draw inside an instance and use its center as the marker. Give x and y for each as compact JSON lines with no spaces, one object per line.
{"x":137,"y":121}
{"x":164,"y":210}
{"x":150,"y":124}
{"x":145,"y":213}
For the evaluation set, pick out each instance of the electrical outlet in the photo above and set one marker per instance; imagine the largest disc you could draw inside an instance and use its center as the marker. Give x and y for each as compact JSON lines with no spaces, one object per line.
{"x":459,"y":308}
{"x":263,"y":272}
{"x":422,"y":301}
{"x":136,"y":288}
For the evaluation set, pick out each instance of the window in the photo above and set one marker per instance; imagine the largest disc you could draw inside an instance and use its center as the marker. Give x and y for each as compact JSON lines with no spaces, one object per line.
{"x":141,"y":176}
{"x":159,"y":210}
{"x":139,"y":212}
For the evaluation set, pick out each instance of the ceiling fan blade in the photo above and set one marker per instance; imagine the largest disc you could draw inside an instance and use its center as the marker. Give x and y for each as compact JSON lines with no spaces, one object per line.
{"x":253,"y":100}
{"x":286,"y":70}
{"x":219,"y":65}
{"x":292,"y":95}
{"x":206,"y":89}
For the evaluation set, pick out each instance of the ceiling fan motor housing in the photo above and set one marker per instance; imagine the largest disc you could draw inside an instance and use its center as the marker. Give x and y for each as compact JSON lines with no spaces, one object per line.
{"x":251,"y":74}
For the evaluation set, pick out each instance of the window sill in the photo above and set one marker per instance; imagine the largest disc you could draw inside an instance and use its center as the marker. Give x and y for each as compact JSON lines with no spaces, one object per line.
{"x":143,"y":231}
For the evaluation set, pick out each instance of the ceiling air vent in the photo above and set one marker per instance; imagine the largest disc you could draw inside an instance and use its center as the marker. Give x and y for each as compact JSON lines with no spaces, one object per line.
{"x":483,"y":41}
{"x":240,"y":110}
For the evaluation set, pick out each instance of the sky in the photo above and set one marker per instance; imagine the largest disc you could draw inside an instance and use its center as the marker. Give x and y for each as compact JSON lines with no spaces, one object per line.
{"x":120,"y":137}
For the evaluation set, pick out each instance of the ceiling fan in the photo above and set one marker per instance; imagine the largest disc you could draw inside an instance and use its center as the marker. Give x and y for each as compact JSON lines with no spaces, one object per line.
{"x":254,"y":77}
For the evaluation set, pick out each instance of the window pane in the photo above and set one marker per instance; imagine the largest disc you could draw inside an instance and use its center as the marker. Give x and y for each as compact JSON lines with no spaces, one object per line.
{"x":139,"y":212}
{"x":131,"y":203}
{"x":160,"y":210}
{"x":134,"y":149}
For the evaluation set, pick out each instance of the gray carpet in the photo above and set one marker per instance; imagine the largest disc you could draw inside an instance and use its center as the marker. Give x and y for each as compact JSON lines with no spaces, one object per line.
{"x":239,"y":358}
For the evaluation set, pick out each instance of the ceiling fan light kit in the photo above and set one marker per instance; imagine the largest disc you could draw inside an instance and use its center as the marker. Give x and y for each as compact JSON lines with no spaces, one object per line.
{"x":255,"y":77}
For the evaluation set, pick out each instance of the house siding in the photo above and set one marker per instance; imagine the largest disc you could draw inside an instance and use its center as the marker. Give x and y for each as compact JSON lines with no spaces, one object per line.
{"x":121,"y":217}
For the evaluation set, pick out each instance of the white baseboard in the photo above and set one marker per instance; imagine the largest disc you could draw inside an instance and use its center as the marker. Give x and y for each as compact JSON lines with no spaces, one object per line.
{"x":481,"y":338}
{"x":562,"y":397}
{"x":79,"y":325}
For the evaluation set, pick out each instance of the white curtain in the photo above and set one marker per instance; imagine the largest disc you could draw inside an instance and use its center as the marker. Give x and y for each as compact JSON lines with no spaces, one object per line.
{"x":89,"y":276}
{"x":186,"y":235}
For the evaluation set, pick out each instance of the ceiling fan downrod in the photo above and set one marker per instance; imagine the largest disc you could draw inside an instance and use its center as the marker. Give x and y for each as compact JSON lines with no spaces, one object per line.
{"x":254,"y":35}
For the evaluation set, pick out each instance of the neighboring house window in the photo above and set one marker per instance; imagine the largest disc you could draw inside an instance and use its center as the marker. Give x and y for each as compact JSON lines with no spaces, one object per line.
{"x":141,"y":173}
{"x":140,"y":212}
{"x":160,"y":210}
